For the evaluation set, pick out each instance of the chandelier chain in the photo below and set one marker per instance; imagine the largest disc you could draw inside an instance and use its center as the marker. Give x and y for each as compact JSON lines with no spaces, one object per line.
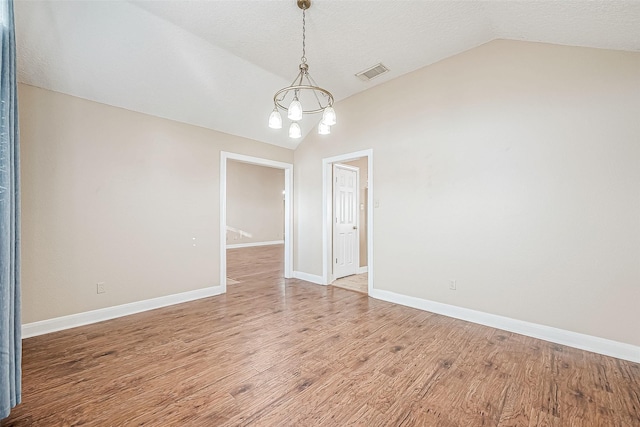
{"x":304,"y":46}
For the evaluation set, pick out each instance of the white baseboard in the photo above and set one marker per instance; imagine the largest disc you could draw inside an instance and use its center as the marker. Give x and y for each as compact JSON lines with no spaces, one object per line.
{"x":547,"y":333}
{"x":308,"y":277}
{"x":248,"y":245}
{"x":362,"y":270}
{"x":94,"y":316}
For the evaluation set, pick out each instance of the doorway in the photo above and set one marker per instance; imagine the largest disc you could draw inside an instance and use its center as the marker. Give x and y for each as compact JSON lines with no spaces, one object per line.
{"x":345,"y":220}
{"x":287,"y":168}
{"x":335,"y":238}
{"x":255,"y":222}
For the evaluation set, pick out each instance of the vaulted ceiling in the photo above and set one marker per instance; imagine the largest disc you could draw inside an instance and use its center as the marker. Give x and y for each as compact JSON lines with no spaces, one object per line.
{"x":217,"y":64}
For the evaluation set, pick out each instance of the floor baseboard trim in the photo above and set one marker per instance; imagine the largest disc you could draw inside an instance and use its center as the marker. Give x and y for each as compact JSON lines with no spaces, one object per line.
{"x":80,"y":319}
{"x":559,"y":336}
{"x":308,"y":277}
{"x":362,"y":270}
{"x":249,"y":245}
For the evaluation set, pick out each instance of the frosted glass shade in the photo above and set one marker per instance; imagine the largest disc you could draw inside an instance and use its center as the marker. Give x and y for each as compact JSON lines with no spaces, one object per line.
{"x":275,"y":120}
{"x":329,"y":116}
{"x":295,"y":110}
{"x":294,"y":131}
{"x":324,"y":129}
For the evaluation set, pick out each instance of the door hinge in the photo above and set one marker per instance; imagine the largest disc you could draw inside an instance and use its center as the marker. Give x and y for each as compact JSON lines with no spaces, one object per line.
{"x":336,"y":260}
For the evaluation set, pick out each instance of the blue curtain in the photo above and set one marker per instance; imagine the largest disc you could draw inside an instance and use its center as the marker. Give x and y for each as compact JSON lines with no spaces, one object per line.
{"x":10,"y":324}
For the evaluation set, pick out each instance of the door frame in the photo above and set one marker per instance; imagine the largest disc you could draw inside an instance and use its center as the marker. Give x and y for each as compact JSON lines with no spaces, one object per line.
{"x":357,"y":212}
{"x":327,"y":213}
{"x":288,"y":214}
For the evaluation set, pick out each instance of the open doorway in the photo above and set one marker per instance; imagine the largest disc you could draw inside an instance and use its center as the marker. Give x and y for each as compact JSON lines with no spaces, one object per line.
{"x":250,"y":220}
{"x":255,"y":222}
{"x":350,"y":225}
{"x":348,"y":221}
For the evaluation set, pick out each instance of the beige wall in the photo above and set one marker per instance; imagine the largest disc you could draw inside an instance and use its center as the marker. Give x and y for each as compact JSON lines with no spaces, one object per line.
{"x":114,"y":196}
{"x":513,"y":168}
{"x":361,"y":164}
{"x":255,"y":203}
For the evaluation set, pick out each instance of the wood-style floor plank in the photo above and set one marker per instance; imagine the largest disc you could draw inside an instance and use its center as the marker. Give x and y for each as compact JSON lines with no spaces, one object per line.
{"x":276,"y":352}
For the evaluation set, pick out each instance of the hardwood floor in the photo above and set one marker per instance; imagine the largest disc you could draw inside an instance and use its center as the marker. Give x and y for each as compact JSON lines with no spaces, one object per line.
{"x":278,"y":352}
{"x":257,"y":261}
{"x":356,"y":282}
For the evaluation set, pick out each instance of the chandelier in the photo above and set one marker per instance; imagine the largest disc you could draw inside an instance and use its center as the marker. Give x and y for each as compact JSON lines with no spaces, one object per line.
{"x":303,"y":91}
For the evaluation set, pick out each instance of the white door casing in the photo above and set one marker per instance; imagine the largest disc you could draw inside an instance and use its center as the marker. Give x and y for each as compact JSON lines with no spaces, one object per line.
{"x":346,"y":246}
{"x":288,"y":210}
{"x":327,"y":214}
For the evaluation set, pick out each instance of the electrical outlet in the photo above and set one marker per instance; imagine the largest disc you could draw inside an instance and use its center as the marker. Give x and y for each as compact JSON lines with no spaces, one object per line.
{"x":452,"y":285}
{"x":100,"y":288}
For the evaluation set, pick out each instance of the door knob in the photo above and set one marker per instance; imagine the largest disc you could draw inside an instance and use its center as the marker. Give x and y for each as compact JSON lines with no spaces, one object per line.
{"x":355,"y":228}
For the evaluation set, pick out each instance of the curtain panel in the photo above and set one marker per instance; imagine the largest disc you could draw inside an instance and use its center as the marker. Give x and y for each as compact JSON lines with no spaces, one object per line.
{"x":10,"y":323}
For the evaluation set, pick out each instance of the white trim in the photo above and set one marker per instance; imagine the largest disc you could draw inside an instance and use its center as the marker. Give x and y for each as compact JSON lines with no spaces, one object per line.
{"x":370,"y":206}
{"x":223,"y":221}
{"x":248,"y":245}
{"x":327,"y":231}
{"x":547,"y":333}
{"x":94,"y":316}
{"x":327,"y":275}
{"x":288,"y":212}
{"x":309,"y":277}
{"x":362,"y":270}
{"x":256,"y":160}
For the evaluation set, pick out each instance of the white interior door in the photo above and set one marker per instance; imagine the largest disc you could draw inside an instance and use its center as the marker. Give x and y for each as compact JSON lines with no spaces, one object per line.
{"x":345,"y":220}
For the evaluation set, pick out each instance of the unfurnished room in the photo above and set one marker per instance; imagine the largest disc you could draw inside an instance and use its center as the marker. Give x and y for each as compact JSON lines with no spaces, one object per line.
{"x":320,"y":213}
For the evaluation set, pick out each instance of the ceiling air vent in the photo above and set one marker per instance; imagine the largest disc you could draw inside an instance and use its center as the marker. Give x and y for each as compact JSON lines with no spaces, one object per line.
{"x":372,"y":72}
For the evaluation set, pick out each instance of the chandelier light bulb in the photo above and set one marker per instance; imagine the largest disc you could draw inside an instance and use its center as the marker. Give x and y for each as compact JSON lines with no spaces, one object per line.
{"x":329,"y":116}
{"x":294,"y":131}
{"x":295,"y":110}
{"x":275,"y":119}
{"x":324,"y":129}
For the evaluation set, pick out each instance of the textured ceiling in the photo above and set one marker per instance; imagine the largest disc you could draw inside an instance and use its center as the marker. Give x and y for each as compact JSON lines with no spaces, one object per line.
{"x":217,"y":64}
